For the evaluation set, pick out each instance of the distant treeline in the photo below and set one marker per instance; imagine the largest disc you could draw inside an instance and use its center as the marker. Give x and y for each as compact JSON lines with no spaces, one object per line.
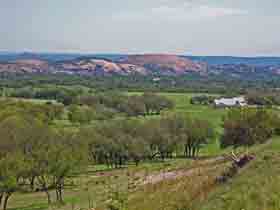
{"x":203,"y":100}
{"x":87,"y":105}
{"x":191,"y":82}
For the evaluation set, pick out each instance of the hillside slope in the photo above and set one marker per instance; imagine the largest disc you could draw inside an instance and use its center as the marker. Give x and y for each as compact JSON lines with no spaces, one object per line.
{"x":257,"y":187}
{"x":25,"y":66}
{"x":144,"y":64}
{"x":166,"y":64}
{"x":127,"y":65}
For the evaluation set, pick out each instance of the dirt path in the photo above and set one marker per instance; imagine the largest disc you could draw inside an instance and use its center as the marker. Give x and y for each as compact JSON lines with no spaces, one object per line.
{"x":196,"y":170}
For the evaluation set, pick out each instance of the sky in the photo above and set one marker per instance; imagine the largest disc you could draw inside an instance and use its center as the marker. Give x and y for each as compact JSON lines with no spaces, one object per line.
{"x":191,"y":27}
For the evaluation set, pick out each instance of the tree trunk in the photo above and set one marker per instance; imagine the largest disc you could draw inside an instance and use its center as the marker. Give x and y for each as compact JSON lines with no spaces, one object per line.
{"x":1,"y":196}
{"x":6,"y":198}
{"x":32,"y":180}
{"x":58,"y":190}
{"x":186,"y":151}
{"x":57,"y":194}
{"x":193,"y":152}
{"x":120,"y":161}
{"x":43,"y":183}
{"x":162,"y":156}
{"x":48,"y":196}
{"x":60,"y":193}
{"x":107,"y":162}
{"x":189,"y":151}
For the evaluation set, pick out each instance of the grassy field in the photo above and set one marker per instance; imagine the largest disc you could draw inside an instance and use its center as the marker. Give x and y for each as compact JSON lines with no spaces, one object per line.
{"x":35,"y":101}
{"x":209,"y":113}
{"x":184,"y":107}
{"x":176,"y":184}
{"x":94,"y":187}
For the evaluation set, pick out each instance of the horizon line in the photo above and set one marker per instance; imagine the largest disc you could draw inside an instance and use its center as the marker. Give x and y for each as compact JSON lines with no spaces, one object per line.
{"x":140,"y":53}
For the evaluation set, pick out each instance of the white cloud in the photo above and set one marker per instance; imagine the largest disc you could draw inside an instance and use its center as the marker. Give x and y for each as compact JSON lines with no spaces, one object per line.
{"x":184,"y":12}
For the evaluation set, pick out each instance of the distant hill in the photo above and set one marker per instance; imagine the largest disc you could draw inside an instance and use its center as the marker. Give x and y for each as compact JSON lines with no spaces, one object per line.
{"x":52,"y":57}
{"x":98,"y":66}
{"x":166,"y":64}
{"x":221,"y":60}
{"x":211,"y":60}
{"x":101,"y":65}
{"x":144,"y":64}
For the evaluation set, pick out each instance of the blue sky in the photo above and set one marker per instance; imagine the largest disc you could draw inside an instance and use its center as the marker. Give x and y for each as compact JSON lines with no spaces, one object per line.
{"x":199,"y":27}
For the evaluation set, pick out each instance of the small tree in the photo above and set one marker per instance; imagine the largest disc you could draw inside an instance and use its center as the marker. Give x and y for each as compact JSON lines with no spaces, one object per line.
{"x":246,"y":127}
{"x":67,"y":155}
{"x":197,"y":133}
{"x":10,"y":174}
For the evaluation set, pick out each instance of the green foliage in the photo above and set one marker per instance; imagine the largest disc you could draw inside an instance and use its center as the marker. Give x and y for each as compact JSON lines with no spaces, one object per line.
{"x":32,"y":152}
{"x":10,"y":174}
{"x":246,"y":127}
{"x":263,"y":98}
{"x":202,"y":100}
{"x":60,"y":94}
{"x":44,"y":112}
{"x":81,"y":114}
{"x":141,"y":105}
{"x":121,"y":141}
{"x":192,"y":82}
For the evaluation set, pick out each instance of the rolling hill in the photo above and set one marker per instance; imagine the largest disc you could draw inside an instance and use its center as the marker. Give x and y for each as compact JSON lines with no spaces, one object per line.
{"x":132,"y":64}
{"x":142,"y":64}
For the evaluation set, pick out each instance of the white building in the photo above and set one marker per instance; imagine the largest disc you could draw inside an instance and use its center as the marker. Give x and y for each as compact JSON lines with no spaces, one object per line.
{"x":156,"y":79}
{"x":229,"y":102}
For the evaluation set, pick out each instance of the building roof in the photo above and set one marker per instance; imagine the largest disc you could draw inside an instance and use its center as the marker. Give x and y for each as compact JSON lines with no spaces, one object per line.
{"x":230,"y":101}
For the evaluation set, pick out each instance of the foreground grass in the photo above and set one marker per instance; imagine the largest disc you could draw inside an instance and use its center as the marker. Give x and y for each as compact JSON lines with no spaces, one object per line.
{"x":95,"y":186}
{"x":255,"y":188}
{"x":178,"y":193}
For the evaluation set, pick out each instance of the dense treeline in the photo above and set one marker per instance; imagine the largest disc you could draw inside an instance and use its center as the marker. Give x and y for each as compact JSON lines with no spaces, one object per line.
{"x":146,"y":104}
{"x":122,"y":141}
{"x":268,"y":98}
{"x":45,"y":112}
{"x":102,"y":106}
{"x":192,"y":82}
{"x":66,"y":96}
{"x":249,"y":126}
{"x":85,"y":105}
{"x":203,"y":100}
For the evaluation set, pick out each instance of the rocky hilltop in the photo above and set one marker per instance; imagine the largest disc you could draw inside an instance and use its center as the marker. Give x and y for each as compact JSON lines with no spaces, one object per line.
{"x":144,"y":64}
{"x":131,"y":64}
